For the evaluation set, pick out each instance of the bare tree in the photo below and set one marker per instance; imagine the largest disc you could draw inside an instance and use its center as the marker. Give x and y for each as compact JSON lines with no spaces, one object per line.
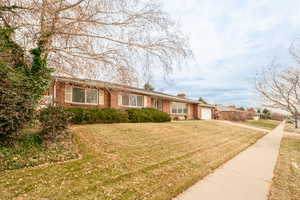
{"x":98,"y":37}
{"x":280,"y":89}
{"x":295,"y":49}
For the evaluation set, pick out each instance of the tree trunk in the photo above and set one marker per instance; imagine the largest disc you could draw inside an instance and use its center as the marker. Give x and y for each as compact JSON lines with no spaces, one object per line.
{"x":296,"y":121}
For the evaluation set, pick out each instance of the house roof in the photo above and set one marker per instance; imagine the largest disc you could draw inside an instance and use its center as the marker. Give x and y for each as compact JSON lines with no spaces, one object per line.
{"x":227,"y":109}
{"x":116,"y":86}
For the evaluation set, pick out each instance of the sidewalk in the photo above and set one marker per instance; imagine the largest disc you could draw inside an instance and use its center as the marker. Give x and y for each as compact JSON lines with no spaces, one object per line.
{"x":246,"y":177}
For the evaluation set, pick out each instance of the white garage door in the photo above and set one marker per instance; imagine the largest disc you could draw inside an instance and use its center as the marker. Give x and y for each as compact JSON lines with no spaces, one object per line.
{"x":206,"y":114}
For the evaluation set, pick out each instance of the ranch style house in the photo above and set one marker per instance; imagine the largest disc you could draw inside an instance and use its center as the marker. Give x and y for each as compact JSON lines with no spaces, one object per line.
{"x":76,"y":92}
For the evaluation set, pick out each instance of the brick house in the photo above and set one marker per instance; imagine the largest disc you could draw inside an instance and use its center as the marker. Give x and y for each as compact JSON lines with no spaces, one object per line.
{"x":229,"y":113}
{"x":75,"y":92}
{"x":232,"y":113}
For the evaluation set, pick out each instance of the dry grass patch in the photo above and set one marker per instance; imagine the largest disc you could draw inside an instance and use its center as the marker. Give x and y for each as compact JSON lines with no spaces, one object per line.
{"x":132,"y":161}
{"x":262,"y":123}
{"x":286,"y":182}
{"x":290,"y":127}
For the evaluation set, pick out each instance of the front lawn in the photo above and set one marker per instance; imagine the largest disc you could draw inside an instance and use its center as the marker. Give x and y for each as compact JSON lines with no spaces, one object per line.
{"x":132,"y":161}
{"x":286,"y":182}
{"x":290,"y":127}
{"x":262,"y":123}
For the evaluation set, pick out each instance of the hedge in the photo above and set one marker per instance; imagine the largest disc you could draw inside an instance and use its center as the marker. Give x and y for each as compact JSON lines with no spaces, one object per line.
{"x":147,"y":115}
{"x":110,"y":115}
{"x":54,"y":121}
{"x":94,"y":115}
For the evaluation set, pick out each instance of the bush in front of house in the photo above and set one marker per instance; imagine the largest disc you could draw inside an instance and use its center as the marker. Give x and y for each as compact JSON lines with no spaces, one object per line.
{"x":79,"y":115}
{"x":111,"y":115}
{"x":54,"y":121}
{"x":95,"y":115}
{"x":147,"y":115}
{"x":138,"y":115}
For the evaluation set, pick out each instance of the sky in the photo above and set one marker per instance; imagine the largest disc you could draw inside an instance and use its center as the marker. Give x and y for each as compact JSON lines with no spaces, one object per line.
{"x":232,"y":40}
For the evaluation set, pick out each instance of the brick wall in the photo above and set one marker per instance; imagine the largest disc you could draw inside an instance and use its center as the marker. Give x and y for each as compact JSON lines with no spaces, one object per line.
{"x":166,"y":106}
{"x":114,"y":95}
{"x":232,"y":115}
{"x":149,"y":102}
{"x":196,"y":112}
{"x":60,"y":93}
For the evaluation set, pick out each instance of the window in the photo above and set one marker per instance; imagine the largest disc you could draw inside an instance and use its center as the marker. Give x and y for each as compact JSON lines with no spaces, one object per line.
{"x":91,"y":96}
{"x":140,"y":101}
{"x":178,"y":108}
{"x":81,"y":95}
{"x":78,"y":95}
{"x":132,"y":100}
{"x":160,"y":105}
{"x":125,"y":100}
{"x":157,"y":103}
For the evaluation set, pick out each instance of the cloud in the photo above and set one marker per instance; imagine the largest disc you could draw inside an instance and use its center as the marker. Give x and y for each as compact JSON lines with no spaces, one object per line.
{"x":232,"y":40}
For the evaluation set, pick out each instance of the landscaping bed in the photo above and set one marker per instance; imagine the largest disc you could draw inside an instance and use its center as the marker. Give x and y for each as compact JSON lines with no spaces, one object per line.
{"x":30,"y":150}
{"x":286,"y":181}
{"x":132,"y":161}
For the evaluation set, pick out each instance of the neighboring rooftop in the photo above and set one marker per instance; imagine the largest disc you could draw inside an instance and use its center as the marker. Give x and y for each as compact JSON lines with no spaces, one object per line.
{"x":228,"y":109}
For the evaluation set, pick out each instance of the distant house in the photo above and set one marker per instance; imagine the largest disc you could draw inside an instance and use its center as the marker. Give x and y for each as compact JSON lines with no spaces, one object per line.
{"x":75,"y":92}
{"x":229,"y":113}
{"x":234,"y":114}
{"x":253,"y":114}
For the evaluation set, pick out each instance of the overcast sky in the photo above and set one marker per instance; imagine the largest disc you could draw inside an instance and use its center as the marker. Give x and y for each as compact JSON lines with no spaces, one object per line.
{"x":232,"y":40}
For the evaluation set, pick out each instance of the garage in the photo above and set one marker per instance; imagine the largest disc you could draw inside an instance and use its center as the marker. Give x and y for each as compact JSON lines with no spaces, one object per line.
{"x":206,"y":113}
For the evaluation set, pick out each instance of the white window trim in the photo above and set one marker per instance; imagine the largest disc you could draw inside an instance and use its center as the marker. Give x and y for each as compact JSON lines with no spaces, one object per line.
{"x":178,"y":103}
{"x":130,"y":106}
{"x":85,"y":89}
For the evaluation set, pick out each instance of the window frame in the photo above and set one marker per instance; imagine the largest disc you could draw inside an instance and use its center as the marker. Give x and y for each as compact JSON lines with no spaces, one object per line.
{"x":97,"y":93}
{"x":72,"y":97}
{"x":183,"y":107}
{"x":135,"y":96}
{"x":156,"y":103}
{"x":85,"y":95}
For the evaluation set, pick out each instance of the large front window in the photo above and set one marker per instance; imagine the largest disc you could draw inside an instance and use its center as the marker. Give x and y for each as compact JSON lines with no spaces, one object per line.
{"x":132,"y":100}
{"x":178,"y":108}
{"x":82,"y":95}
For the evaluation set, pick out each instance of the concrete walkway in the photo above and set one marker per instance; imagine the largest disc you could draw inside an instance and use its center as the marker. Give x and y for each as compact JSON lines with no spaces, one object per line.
{"x":246,"y":177}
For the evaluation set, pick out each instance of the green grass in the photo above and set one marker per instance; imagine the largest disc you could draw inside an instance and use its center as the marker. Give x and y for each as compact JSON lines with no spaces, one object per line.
{"x":132,"y":161}
{"x":31,"y":151}
{"x":286,"y":181}
{"x":267,"y":124}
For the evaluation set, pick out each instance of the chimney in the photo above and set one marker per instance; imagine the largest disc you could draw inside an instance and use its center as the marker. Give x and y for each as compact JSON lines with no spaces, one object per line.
{"x":182,"y":95}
